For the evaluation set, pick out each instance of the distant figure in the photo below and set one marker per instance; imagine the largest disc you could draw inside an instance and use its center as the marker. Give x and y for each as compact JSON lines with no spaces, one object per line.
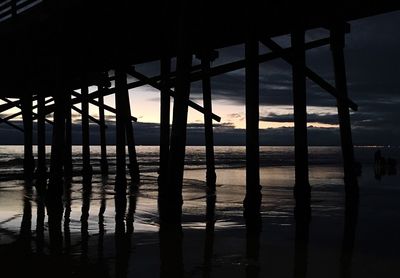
{"x":384,"y":166}
{"x":379,"y":165}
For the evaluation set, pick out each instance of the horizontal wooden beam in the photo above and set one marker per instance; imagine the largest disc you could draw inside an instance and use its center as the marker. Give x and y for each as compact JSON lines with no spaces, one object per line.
{"x":76,"y":109}
{"x":192,"y":104}
{"x":11,"y":124}
{"x":92,"y":101}
{"x":309,"y":73}
{"x":35,"y":116}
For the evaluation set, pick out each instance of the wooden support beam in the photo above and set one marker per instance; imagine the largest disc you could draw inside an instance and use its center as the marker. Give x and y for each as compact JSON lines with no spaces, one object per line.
{"x":91,"y":118}
{"x":208,"y":125}
{"x":156,"y":85}
{"x":87,"y":167}
{"x":78,"y":99}
{"x":11,"y":124}
{"x":29,"y":162}
{"x":197,"y":75}
{"x":9,"y":104}
{"x":68,"y":167}
{"x":58,"y":146}
{"x":18,"y":104}
{"x":130,"y":139}
{"x":103,"y":142}
{"x":252,"y":201}
{"x":302,"y":186}
{"x":35,"y":116}
{"x":337,"y":46}
{"x":172,"y":211}
{"x":165,"y":107}
{"x":120,"y":84}
{"x":311,"y":75}
{"x":41,"y":139}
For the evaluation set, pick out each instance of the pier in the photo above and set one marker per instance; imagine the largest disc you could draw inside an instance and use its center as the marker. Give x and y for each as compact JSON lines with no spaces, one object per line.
{"x":54,"y":51}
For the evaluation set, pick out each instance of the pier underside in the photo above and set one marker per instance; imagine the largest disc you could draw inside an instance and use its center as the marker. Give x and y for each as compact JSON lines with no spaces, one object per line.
{"x":59,"y":49}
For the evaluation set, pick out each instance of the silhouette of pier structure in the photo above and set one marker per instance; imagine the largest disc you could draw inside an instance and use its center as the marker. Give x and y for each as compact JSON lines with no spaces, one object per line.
{"x":53,"y":51}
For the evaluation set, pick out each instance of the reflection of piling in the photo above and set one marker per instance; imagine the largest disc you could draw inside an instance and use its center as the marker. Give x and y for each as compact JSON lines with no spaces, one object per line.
{"x":130,"y":216}
{"x":67,"y":215}
{"x":209,"y":240}
{"x":26,"y":223}
{"x":86,"y":197}
{"x":337,"y":46}
{"x":123,"y":238}
{"x":300,"y":112}
{"x":171,"y":257}
{"x":349,"y":233}
{"x":41,"y":213}
{"x":253,"y":232}
{"x":302,"y":214}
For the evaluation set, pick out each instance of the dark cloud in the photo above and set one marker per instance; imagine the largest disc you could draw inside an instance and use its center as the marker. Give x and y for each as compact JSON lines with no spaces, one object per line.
{"x":331,"y":119}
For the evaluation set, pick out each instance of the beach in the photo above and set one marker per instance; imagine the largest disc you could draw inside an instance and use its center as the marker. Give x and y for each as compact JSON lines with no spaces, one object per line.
{"x":360,"y":239}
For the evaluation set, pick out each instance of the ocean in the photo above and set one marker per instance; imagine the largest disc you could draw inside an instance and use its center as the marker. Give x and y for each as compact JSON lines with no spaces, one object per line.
{"x":11,"y":157}
{"x":361,"y":240}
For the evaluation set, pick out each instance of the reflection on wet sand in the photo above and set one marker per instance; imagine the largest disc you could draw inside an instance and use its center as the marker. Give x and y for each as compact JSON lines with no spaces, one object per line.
{"x":253,"y":233}
{"x":209,"y":239}
{"x":40,"y":218}
{"x":349,"y":231}
{"x":67,"y":216}
{"x":123,"y":237}
{"x":302,"y":215}
{"x":171,"y":257}
{"x":25,"y":234}
{"x":110,"y":251}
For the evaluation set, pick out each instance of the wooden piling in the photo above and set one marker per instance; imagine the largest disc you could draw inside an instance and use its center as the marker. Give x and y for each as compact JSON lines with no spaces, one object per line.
{"x":173,"y":210}
{"x":55,"y":187}
{"x":252,"y":199}
{"x":58,"y":146}
{"x":103,"y":142}
{"x":300,"y":113}
{"x":208,"y":124}
{"x":29,"y":163}
{"x":133,"y":163}
{"x":87,"y":168}
{"x":68,"y":168}
{"x":120,"y":84}
{"x":165,"y":105}
{"x":337,"y":49}
{"x":41,"y":137}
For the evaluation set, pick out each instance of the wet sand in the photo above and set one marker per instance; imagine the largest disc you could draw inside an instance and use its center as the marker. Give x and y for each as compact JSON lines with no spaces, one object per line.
{"x":362,"y":241}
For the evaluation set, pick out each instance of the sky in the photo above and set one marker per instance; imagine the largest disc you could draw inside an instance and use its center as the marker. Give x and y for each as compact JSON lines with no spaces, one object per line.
{"x":373,"y":70}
